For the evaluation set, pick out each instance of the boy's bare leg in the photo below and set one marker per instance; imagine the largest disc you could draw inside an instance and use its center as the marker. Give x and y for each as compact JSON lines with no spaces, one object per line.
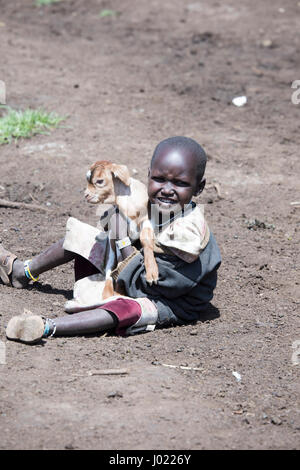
{"x":89,"y":321}
{"x":56,"y":255}
{"x":52,"y":257}
{"x":31,"y":328}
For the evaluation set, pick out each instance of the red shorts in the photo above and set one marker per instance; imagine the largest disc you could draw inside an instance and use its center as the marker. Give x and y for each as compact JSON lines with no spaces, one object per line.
{"x":134,"y":315}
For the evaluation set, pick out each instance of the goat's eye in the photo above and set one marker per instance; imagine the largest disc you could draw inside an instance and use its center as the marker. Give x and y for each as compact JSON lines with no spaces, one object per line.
{"x":99,"y":181}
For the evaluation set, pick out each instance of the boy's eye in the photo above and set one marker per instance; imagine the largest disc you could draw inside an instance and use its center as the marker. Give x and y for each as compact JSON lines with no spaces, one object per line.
{"x":158,"y":179}
{"x":161,"y":179}
{"x":181,"y":183}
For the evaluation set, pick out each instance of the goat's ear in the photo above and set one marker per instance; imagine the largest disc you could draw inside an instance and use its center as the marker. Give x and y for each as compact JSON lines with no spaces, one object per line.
{"x":121,"y":172}
{"x":89,"y":176}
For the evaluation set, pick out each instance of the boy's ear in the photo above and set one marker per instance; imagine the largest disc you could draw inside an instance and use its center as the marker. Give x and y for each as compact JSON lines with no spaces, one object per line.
{"x":200,"y":187}
{"x":121,"y":172}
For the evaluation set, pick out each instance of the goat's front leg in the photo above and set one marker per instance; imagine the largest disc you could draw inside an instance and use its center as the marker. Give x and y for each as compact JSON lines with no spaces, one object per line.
{"x":147,"y":241}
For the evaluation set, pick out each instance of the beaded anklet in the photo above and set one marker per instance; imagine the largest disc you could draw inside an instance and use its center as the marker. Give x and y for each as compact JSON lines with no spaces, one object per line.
{"x":27,"y":271}
{"x":47,"y":328}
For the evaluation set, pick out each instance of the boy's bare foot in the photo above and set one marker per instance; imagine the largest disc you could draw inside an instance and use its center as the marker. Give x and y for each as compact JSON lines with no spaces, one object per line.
{"x":27,"y":328}
{"x":18,"y":278}
{"x":12,"y":272}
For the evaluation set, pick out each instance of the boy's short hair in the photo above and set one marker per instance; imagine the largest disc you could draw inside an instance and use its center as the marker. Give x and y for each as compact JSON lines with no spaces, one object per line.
{"x":187,"y":144}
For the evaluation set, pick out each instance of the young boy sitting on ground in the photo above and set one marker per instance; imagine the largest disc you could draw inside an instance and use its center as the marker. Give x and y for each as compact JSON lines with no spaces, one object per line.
{"x":186,"y":253}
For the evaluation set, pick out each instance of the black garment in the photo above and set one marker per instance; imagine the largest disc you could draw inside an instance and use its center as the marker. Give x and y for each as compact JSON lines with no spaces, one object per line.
{"x":183,"y":290}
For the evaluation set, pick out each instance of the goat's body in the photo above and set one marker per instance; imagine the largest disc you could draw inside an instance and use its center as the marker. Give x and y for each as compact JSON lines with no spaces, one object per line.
{"x":132,"y":200}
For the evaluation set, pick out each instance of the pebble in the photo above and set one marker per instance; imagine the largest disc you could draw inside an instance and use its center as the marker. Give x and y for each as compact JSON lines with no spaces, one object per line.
{"x":193,"y":332}
{"x":246,"y":420}
{"x":276,"y":420}
{"x":115,"y":395}
{"x":69,"y":447}
{"x":267,"y":43}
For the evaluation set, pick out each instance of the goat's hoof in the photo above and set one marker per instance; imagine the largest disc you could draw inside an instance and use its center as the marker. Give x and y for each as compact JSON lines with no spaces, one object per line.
{"x":152,"y":279}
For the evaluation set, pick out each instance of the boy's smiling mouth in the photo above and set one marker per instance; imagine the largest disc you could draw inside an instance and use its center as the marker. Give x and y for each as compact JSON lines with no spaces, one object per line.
{"x":166,"y":200}
{"x":166,"y":205}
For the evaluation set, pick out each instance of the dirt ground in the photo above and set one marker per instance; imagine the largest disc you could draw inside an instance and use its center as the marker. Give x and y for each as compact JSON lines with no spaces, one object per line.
{"x":126,"y":81}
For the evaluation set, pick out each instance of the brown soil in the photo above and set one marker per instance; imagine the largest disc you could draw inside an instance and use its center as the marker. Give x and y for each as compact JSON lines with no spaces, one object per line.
{"x":127,"y":81}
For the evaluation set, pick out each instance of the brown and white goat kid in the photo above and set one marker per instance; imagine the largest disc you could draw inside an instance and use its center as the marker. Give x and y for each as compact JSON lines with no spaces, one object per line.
{"x":110,"y":183}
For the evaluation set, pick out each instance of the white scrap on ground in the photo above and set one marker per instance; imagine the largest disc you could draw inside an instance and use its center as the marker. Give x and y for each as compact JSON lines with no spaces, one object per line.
{"x":239,"y":101}
{"x":237,"y":376}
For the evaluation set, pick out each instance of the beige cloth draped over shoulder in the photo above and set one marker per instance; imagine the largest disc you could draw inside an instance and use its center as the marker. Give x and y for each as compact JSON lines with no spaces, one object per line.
{"x":185,"y":237}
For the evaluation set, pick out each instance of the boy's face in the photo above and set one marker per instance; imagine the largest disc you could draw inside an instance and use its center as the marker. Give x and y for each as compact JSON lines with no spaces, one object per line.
{"x":173,"y":179}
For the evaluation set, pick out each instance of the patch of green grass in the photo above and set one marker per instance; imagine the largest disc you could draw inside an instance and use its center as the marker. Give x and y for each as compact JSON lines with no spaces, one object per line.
{"x":104,"y":13}
{"x":40,"y":3}
{"x":24,"y":124}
